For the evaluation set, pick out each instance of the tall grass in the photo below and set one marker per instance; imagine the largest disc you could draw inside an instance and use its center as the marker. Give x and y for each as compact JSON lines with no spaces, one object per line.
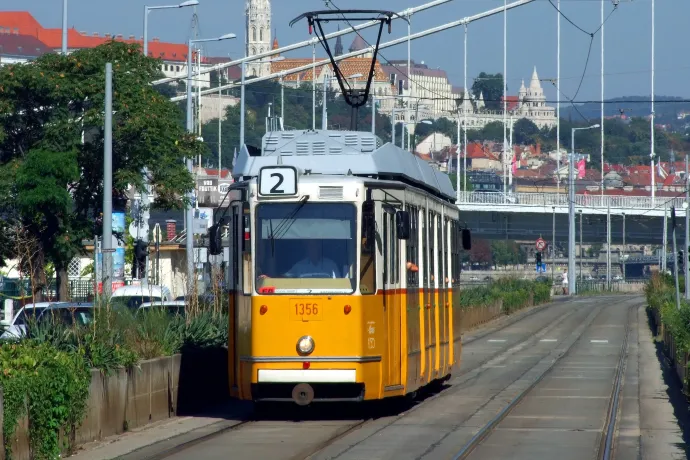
{"x":121,"y":338}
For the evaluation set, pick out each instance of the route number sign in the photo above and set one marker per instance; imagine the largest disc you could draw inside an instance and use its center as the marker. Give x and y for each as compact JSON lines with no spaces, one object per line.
{"x":541,"y":244}
{"x":277,"y":181}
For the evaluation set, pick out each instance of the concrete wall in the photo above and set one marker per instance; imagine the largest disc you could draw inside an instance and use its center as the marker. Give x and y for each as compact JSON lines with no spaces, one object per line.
{"x":130,"y":398}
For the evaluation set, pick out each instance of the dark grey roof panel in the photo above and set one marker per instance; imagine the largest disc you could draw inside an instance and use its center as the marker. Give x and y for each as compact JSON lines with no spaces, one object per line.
{"x":336,"y":153}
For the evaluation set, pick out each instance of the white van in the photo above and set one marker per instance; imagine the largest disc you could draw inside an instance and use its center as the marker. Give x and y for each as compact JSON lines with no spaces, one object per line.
{"x":132,"y":297}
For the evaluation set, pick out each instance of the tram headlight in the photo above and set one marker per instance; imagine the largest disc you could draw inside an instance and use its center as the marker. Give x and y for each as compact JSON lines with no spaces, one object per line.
{"x":305,"y":345}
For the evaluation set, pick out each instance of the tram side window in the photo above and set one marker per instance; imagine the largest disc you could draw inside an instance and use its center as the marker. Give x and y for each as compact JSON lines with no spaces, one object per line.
{"x":412,"y":246}
{"x":367,"y":273}
{"x":441,"y":251}
{"x":234,"y":272}
{"x":454,"y":256}
{"x":246,"y":254}
{"x":425,"y":244}
{"x":432,"y":255}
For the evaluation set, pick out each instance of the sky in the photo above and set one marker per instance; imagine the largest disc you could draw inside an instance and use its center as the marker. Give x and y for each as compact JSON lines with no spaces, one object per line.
{"x":532,"y":37}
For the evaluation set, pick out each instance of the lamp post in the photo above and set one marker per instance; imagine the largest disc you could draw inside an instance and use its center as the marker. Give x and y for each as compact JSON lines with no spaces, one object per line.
{"x":164,"y":7}
{"x":64,"y":27}
{"x":571,"y":211}
{"x":190,"y":129}
{"x":324,"y":115}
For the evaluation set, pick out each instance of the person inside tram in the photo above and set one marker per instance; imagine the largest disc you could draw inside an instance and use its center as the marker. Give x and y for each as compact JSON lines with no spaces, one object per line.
{"x":314,"y":263}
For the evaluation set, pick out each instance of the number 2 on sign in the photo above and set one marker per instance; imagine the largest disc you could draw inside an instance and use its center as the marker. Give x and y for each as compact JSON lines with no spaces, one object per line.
{"x":306,"y":309}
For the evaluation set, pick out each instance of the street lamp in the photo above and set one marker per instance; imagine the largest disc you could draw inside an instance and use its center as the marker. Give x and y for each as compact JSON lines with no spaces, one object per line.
{"x":190,"y":129}
{"x":164,"y":7}
{"x":324,"y":115}
{"x":571,"y":211}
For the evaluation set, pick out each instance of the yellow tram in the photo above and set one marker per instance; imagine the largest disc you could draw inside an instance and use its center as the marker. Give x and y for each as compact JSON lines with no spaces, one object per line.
{"x":344,"y":265}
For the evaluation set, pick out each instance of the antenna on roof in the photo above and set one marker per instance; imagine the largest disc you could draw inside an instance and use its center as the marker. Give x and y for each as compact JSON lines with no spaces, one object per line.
{"x":355,"y":98}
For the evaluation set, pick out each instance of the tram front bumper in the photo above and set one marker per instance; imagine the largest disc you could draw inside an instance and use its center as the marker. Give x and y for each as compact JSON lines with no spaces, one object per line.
{"x":304,"y":386}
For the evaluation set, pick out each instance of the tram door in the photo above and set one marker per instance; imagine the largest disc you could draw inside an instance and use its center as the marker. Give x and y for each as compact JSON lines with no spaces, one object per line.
{"x":392,"y":299}
{"x":236,"y":234}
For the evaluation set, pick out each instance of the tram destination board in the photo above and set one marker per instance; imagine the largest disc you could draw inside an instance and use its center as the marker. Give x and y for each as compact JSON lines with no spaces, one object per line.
{"x":277,"y":181}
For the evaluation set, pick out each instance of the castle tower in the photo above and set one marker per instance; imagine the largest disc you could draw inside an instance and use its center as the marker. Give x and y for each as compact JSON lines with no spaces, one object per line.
{"x":258,"y":35}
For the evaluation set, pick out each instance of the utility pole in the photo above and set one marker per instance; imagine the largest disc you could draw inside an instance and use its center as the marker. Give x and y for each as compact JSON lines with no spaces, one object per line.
{"x":664,"y":253}
{"x":553,"y":244}
{"x":107,"y":243}
{"x":675,"y":252}
{"x":373,"y":114}
{"x":580,"y":246}
{"x":608,"y":247}
{"x":686,"y":252}
{"x":571,"y":220}
{"x":64,"y":27}
{"x":623,"y":247}
{"x":313,"y":87}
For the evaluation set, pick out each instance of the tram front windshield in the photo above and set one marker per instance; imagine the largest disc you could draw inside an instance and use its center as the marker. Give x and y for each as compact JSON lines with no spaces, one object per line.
{"x":306,"y":247}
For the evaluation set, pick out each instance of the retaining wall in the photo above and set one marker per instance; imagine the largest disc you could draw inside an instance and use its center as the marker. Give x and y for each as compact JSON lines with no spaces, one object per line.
{"x":154,"y":390}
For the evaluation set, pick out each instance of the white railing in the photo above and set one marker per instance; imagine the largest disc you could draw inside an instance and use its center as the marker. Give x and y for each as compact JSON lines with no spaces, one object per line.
{"x":561,"y":200}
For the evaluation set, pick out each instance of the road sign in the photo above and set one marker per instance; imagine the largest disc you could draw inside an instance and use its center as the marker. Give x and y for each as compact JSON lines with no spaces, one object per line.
{"x":108,"y":250}
{"x":541,"y":244}
{"x":157,"y":233}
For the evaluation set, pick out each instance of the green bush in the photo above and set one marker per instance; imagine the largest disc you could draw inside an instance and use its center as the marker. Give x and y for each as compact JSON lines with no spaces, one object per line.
{"x":514,"y":292}
{"x":660,"y":293}
{"x":50,"y":384}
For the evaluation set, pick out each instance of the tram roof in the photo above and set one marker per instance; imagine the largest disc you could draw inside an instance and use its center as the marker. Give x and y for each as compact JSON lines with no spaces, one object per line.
{"x":340,"y":153}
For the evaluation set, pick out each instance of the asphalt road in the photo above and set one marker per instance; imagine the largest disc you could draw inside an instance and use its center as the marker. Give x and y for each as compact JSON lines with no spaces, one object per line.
{"x":537,"y":388}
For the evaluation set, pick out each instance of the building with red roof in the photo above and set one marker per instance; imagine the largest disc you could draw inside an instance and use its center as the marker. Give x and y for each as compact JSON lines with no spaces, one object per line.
{"x":22,"y":23}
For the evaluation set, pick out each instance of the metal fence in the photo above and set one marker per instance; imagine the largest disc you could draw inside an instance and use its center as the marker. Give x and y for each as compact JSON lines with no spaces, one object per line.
{"x":584,"y":286}
{"x":561,"y":200}
{"x":20,"y":289}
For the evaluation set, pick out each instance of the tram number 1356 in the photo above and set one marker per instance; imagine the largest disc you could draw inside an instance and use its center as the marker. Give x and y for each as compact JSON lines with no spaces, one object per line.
{"x":306,"y":309}
{"x":301,"y":310}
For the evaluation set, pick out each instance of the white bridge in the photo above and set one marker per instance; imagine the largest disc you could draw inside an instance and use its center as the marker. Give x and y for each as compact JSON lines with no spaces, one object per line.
{"x":558,"y":203}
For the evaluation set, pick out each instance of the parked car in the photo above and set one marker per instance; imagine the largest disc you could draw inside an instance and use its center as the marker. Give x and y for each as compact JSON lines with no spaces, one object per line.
{"x":16,"y":327}
{"x":133,"y":296}
{"x":66,"y":312}
{"x":173,"y":307}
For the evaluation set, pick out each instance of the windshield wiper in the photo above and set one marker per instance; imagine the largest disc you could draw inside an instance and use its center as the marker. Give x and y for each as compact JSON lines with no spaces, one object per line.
{"x":285,"y":222}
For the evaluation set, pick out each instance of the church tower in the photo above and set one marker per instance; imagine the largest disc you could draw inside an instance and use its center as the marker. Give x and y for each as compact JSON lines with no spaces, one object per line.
{"x":258,"y":35}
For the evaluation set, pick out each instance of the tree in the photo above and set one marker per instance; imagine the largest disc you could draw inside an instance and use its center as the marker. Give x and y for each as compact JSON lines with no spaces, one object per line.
{"x":525,"y":132}
{"x":594,"y":250}
{"x":480,"y":252}
{"x":54,"y":178}
{"x":491,"y":87}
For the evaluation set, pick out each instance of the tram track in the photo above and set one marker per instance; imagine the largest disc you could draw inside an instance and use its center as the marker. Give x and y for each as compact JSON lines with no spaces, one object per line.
{"x":328,"y":433}
{"x":463,"y":377}
{"x":605,"y":450}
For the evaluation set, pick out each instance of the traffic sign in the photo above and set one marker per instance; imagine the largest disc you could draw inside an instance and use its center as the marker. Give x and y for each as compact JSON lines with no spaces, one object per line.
{"x":108,"y":250}
{"x":541,"y":244}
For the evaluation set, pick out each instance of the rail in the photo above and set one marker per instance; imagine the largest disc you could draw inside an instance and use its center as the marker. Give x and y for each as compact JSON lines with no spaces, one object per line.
{"x":561,"y":200}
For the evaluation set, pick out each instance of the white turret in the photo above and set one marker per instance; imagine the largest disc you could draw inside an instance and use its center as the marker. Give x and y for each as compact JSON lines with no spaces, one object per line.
{"x":258,"y":35}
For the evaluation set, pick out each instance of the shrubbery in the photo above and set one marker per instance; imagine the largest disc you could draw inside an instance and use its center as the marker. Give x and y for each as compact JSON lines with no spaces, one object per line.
{"x":46,"y":375}
{"x":51,"y":385}
{"x":514,"y":292}
{"x":660,"y":292}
